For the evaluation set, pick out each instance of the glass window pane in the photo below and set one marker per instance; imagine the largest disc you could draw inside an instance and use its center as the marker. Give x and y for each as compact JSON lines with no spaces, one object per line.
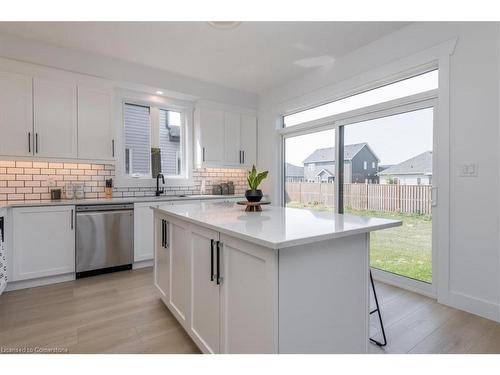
{"x":137,"y":140}
{"x":410,"y":86}
{"x":400,"y":150}
{"x":310,"y":170}
{"x":170,"y":142}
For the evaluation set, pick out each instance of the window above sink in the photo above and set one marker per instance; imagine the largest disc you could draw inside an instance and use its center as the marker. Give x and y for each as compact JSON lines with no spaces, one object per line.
{"x":156,"y":138}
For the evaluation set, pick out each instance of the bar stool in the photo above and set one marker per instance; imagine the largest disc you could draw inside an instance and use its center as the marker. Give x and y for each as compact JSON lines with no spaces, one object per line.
{"x":377,"y":310}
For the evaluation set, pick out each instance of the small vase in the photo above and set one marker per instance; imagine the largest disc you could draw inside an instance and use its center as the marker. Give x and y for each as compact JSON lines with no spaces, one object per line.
{"x":253,"y":195}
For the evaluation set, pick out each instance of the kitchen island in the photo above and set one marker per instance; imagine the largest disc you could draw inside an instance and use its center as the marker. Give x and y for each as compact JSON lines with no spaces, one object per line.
{"x":283,"y":280}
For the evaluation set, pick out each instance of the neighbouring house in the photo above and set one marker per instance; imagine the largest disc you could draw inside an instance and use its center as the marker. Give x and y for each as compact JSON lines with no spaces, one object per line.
{"x":414,"y":171}
{"x":294,"y":173}
{"x":360,"y":165}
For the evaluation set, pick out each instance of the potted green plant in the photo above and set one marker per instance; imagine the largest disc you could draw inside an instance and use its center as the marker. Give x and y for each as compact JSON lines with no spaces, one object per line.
{"x":253,"y":194}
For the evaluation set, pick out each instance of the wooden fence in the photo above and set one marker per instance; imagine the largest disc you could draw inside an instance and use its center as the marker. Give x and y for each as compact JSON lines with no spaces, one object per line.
{"x":411,"y":199}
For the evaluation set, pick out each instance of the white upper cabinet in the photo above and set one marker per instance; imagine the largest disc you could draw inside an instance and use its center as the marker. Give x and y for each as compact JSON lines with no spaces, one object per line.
{"x":232,"y":149}
{"x":211,"y":135}
{"x":55,"y":118}
{"x":16,"y":115}
{"x":45,"y":113}
{"x":248,"y":143}
{"x":95,"y":126}
{"x":225,"y":138}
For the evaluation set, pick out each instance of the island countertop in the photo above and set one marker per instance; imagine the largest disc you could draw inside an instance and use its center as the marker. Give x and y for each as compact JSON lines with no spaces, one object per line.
{"x":275,"y":227}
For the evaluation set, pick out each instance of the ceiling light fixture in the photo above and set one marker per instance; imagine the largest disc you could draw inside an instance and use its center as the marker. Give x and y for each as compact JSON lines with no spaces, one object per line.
{"x":224,"y":25}
{"x":158,"y":92}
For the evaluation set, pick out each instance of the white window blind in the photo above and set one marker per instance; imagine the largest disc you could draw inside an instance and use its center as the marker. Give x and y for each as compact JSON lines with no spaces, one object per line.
{"x":137,"y":139}
{"x":170,"y":142}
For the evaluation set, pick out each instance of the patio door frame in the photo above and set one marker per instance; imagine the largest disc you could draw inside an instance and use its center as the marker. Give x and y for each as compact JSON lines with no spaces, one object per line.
{"x":337,"y":122}
{"x":408,"y":104}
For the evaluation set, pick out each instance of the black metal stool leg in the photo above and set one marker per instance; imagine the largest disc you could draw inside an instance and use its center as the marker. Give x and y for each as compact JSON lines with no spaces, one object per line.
{"x":377,"y":310}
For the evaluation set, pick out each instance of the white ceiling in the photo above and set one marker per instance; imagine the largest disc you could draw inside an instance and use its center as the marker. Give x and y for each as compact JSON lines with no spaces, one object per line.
{"x":254,"y":57}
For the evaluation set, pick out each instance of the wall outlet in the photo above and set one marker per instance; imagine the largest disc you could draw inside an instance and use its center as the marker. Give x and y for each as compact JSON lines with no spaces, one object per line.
{"x":468,"y":170}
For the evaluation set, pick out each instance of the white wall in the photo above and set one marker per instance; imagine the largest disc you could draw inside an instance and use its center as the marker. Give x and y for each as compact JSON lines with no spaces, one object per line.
{"x":474,"y":264}
{"x":181,"y":87}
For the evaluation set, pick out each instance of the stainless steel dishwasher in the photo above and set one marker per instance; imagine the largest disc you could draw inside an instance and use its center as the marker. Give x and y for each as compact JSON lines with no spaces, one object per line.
{"x":104,"y":238}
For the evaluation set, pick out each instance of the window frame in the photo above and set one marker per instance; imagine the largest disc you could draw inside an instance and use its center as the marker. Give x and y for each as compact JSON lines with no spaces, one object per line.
{"x":183,"y":148}
{"x":155,"y":103}
{"x":139,"y":176}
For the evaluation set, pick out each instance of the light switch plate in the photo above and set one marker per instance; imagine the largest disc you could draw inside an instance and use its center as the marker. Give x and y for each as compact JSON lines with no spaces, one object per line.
{"x":468,"y":170}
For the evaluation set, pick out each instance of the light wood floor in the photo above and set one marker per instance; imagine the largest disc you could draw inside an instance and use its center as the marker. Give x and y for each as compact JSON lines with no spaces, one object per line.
{"x":121,"y":313}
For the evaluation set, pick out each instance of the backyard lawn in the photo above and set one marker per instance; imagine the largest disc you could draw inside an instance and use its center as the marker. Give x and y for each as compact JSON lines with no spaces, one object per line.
{"x":405,"y":250}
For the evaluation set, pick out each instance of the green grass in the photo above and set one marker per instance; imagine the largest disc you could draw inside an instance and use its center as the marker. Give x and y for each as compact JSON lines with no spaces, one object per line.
{"x":405,"y":250}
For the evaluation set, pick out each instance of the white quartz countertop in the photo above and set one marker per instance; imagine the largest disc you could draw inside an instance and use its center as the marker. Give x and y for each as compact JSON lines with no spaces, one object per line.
{"x":275,"y":227}
{"x":74,"y":202}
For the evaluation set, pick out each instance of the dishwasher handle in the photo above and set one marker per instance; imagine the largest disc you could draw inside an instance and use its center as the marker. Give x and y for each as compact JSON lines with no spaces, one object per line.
{"x":105,"y":207}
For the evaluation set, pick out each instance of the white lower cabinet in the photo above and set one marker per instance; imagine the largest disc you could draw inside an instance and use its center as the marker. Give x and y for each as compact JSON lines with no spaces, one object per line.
{"x":205,"y":292}
{"x":178,"y":242}
{"x":249,"y":301}
{"x":43,"y":242}
{"x":222,"y":290}
{"x":161,"y":260}
{"x":143,"y":232}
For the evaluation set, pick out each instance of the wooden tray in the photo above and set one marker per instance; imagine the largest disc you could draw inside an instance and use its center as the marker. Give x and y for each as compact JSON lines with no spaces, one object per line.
{"x":253,"y":206}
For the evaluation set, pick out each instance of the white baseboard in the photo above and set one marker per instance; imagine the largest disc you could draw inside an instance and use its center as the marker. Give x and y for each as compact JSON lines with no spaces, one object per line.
{"x":142,"y":264}
{"x":23,"y":284}
{"x":476,"y":306}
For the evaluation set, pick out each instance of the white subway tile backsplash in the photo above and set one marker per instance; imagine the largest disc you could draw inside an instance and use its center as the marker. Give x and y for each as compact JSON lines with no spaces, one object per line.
{"x":20,"y":180}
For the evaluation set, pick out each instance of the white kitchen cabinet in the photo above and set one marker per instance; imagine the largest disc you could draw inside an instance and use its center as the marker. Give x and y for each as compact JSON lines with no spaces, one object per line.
{"x":162,"y":261}
{"x":248,"y":297}
{"x":226,"y":292}
{"x":43,"y":242}
{"x":16,"y":115}
{"x":178,"y":244}
{"x":205,"y":299}
{"x":210,"y":130}
{"x":232,"y":149}
{"x":248,"y":140}
{"x":143,"y":232}
{"x":225,"y":138}
{"x":95,"y":126}
{"x":55,"y":118}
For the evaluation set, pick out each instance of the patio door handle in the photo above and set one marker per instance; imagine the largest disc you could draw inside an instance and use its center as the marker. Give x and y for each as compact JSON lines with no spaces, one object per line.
{"x":434,"y":196}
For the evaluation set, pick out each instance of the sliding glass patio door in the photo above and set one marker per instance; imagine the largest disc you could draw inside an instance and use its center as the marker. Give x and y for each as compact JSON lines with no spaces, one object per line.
{"x":389,"y":171}
{"x":373,"y":154}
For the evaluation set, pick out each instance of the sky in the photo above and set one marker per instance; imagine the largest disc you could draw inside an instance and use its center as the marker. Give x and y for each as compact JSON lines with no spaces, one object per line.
{"x":393,"y":139}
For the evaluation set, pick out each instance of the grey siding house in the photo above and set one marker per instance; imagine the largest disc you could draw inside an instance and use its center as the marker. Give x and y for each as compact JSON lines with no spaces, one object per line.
{"x":294,"y":173}
{"x":414,"y":171}
{"x":360,"y":165}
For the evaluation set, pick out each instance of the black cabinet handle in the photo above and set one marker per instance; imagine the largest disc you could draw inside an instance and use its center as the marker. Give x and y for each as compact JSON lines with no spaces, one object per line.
{"x":36,"y":143}
{"x":71,"y":219}
{"x":243,"y":153}
{"x":113,"y":147}
{"x":165,"y":234}
{"x":218,"y":263}
{"x":212,"y":260}
{"x":203,"y":149}
{"x":162,"y":233}
{"x":29,"y":142}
